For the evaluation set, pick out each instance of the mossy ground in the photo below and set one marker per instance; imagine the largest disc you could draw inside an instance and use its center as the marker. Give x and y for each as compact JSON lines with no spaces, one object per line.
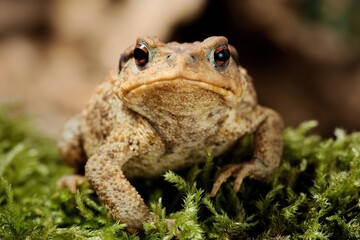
{"x":313,"y":195}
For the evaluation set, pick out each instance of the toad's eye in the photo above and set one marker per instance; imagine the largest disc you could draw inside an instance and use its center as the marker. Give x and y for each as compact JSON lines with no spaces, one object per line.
{"x":141,"y":54}
{"x":222,"y":55}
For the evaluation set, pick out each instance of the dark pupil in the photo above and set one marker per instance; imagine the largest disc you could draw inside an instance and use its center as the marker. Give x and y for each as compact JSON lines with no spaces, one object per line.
{"x":140,"y":54}
{"x":222,"y":56}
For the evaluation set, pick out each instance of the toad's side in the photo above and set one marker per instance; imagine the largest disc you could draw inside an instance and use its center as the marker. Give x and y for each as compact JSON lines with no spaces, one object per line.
{"x":165,"y":106}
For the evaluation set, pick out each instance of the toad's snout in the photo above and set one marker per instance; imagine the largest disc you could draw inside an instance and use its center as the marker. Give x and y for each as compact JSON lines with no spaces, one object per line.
{"x":180,"y":58}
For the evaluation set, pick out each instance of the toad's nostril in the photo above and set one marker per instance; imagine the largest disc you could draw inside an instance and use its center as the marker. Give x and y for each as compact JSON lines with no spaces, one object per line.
{"x":189,"y":58}
{"x":170,"y":57}
{"x":181,"y":58}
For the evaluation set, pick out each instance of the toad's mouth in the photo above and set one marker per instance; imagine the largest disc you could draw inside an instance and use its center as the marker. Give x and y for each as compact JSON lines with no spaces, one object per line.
{"x":178,"y":84}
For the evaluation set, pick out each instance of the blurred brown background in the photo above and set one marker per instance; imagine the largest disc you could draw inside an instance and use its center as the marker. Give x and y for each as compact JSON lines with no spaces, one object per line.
{"x":304,"y":55}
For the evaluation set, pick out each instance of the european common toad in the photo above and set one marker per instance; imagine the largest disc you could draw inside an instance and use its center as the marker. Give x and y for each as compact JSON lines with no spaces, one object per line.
{"x":160,"y":111}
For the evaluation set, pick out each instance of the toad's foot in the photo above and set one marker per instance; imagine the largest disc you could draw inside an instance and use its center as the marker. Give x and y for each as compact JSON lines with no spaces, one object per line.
{"x":71,"y":182}
{"x":254,"y":169}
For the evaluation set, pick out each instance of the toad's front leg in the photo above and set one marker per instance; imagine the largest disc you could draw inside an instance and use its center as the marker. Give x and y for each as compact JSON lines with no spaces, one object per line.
{"x":103,"y":171}
{"x":266,"y":157}
{"x":119,"y":196}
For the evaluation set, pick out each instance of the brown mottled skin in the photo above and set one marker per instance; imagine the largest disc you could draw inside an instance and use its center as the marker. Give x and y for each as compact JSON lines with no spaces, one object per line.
{"x":161,"y":115}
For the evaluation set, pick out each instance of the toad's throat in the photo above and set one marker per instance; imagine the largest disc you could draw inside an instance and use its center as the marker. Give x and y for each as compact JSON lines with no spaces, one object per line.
{"x":181,"y":110}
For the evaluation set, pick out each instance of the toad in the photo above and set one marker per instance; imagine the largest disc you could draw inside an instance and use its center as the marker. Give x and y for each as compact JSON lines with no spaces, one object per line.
{"x":166,"y":105}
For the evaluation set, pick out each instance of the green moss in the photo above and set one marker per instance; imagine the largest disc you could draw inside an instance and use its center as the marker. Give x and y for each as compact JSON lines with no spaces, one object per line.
{"x":313,"y":195}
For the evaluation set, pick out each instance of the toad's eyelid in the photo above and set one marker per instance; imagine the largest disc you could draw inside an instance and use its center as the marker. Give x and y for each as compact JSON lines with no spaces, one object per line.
{"x":141,"y":44}
{"x":220,"y":47}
